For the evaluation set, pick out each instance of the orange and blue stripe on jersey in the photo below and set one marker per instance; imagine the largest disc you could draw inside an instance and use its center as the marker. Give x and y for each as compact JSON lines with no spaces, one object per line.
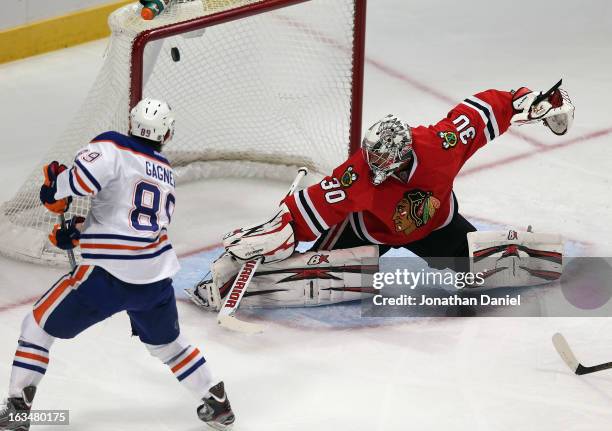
{"x":130,"y":144}
{"x":82,"y":182}
{"x":123,"y":247}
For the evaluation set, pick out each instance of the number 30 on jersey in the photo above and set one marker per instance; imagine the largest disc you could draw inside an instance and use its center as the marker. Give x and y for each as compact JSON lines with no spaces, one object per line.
{"x":333,"y":191}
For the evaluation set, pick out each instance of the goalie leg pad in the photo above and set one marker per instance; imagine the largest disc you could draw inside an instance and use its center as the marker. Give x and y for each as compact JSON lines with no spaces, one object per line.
{"x":512,"y":258}
{"x":305,"y":279}
{"x":314,"y":278}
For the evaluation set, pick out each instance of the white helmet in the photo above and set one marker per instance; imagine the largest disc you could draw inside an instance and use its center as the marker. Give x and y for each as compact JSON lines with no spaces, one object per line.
{"x":153,"y":120}
{"x":387,"y":146}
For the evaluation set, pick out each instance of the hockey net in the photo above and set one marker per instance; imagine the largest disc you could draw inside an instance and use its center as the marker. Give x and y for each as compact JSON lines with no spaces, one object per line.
{"x":261,"y":86}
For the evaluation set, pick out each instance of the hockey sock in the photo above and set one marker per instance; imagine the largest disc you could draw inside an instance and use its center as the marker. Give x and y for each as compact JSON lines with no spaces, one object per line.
{"x":31,"y":358}
{"x":187,"y":364}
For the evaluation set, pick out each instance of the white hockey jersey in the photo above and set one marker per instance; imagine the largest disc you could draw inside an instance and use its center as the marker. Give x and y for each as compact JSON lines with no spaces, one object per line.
{"x":132,"y":189}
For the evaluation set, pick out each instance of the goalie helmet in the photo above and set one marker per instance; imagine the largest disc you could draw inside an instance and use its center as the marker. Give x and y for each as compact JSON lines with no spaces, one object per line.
{"x":387,"y":146}
{"x":153,"y":120}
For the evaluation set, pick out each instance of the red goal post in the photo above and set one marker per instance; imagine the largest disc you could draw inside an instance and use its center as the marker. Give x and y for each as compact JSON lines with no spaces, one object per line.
{"x":258,"y":87}
{"x":221,"y":17}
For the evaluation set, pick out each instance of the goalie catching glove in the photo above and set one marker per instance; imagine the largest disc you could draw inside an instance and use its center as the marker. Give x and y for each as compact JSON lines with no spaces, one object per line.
{"x":271,"y":241}
{"x":49,"y":188}
{"x":553,"y":107}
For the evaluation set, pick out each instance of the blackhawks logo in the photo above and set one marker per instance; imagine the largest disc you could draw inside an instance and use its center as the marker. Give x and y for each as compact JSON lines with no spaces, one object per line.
{"x":348,"y":177}
{"x":449,"y":139}
{"x":414,"y":210}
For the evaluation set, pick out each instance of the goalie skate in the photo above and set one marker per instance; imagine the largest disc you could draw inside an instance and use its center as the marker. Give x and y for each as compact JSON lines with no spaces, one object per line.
{"x":204,"y":295}
{"x":195,"y":295}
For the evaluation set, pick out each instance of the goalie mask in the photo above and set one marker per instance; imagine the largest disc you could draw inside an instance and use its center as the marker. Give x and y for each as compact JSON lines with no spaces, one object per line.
{"x":387,"y":146}
{"x":153,"y":120}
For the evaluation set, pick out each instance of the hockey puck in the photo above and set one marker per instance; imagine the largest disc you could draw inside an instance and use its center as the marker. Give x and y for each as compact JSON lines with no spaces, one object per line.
{"x":176,"y":54}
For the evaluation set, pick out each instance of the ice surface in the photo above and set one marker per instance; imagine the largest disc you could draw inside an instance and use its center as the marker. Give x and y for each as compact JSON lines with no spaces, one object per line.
{"x":324,"y":369}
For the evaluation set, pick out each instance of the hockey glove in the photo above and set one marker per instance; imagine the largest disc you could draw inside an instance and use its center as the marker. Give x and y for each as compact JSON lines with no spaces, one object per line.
{"x":67,"y":237}
{"x":271,"y":241}
{"x":49,"y":188}
{"x":553,"y":107}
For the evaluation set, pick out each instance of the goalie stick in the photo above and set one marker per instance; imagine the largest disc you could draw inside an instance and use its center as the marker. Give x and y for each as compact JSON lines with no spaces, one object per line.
{"x":226,"y":316}
{"x":569,"y":358}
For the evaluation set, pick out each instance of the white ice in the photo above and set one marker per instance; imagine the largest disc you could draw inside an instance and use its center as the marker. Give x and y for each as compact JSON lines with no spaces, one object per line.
{"x":421,"y":374}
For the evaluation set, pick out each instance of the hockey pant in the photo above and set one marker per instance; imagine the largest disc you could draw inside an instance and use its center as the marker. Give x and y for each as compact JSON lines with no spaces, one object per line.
{"x":89,"y":294}
{"x":446,"y":247}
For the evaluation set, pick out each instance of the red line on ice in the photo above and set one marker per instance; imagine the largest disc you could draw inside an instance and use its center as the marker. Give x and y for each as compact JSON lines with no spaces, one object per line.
{"x":543,"y":149}
{"x":435,"y":93}
{"x":200,"y":250}
{"x":32,"y":299}
{"x":539,"y":147}
{"x":14,"y":305}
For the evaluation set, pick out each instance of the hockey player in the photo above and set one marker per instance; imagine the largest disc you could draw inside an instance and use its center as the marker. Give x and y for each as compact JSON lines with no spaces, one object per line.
{"x":127,"y":263}
{"x":396,"y":192}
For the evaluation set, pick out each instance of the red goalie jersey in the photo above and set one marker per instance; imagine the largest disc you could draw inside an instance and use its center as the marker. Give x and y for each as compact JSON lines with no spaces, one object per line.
{"x":408,"y":206}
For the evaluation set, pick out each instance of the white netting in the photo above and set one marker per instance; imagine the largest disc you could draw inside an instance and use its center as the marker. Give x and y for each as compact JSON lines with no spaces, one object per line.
{"x":252,"y":97}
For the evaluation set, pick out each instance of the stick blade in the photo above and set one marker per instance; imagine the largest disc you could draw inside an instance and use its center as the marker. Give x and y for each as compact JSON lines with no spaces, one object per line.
{"x":565,"y":351}
{"x":233,"y":324}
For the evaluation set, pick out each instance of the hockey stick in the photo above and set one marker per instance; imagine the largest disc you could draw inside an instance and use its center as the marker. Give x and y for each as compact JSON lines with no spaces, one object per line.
{"x":226,"y":316}
{"x":70,"y":253}
{"x":569,"y":358}
{"x":546,"y":94}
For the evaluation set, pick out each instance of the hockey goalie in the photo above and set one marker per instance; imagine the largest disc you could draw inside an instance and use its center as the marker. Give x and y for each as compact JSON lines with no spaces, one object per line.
{"x":397,"y":192}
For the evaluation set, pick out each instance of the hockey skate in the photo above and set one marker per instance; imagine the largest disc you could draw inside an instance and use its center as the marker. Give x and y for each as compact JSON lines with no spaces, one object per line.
{"x":216,"y":410}
{"x":13,"y":408}
{"x":205,"y":295}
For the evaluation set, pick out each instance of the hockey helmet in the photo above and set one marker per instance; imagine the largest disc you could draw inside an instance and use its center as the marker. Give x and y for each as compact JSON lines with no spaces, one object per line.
{"x":153,"y":120}
{"x":387,"y":146}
